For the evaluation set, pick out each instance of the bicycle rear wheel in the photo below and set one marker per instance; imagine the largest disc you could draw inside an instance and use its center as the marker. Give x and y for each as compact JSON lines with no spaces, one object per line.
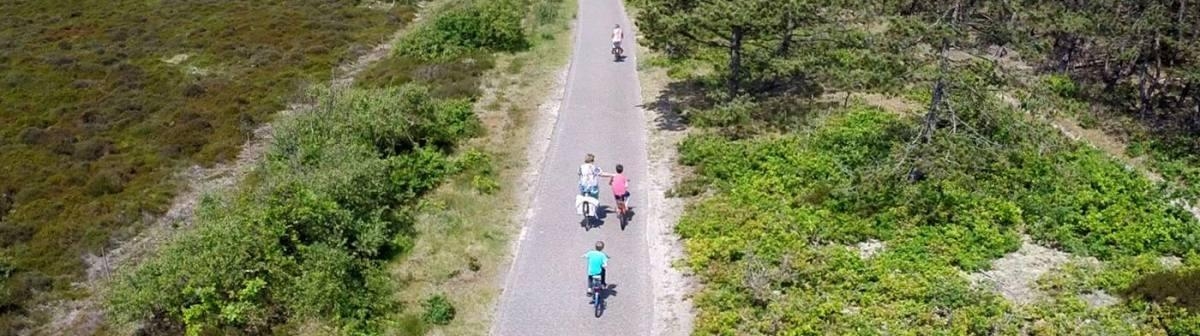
{"x":599,"y":305}
{"x":587,"y":222}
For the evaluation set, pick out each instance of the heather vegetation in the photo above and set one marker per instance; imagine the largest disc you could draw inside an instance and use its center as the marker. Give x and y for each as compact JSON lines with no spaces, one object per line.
{"x":308,"y":243}
{"x":103,"y":101}
{"x":793,"y":177}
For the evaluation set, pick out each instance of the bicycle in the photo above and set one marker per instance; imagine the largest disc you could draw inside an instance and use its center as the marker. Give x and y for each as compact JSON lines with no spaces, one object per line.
{"x":587,"y":219}
{"x":623,"y":210}
{"x":597,"y":295}
{"x":587,"y":210}
{"x":617,"y":53}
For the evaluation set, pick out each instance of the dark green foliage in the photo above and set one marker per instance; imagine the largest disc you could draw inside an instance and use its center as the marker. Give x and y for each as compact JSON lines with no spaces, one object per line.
{"x":729,"y":114}
{"x":478,"y":26}
{"x":98,"y":112}
{"x":1134,"y":65}
{"x":788,"y":47}
{"x":1175,"y":287}
{"x":438,"y":310}
{"x":307,"y":240}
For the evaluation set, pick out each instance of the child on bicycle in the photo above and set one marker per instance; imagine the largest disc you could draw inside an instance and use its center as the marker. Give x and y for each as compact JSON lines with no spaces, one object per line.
{"x":620,"y":188}
{"x":597,"y":262}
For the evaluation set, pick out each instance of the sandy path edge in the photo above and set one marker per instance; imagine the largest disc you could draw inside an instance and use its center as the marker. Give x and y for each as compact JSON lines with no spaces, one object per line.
{"x":673,"y":310}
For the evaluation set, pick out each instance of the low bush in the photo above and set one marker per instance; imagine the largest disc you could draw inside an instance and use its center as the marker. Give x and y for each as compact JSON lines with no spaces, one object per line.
{"x":773,"y":244}
{"x":438,"y":310}
{"x":1061,"y":85}
{"x":450,"y":78}
{"x":474,"y":27}
{"x":331,"y":203}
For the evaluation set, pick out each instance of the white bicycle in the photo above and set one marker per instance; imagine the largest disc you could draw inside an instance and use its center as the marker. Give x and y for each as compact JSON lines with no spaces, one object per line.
{"x":587,"y":203}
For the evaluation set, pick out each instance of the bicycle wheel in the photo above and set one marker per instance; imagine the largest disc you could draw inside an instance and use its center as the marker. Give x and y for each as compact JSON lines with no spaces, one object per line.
{"x":587,"y":219}
{"x":596,"y":301}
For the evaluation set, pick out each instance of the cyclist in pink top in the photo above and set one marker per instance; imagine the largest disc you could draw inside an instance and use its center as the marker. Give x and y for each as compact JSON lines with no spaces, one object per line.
{"x":620,"y":189}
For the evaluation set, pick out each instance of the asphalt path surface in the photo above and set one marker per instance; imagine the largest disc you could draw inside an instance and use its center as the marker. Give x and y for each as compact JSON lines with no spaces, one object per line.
{"x":544,"y":292}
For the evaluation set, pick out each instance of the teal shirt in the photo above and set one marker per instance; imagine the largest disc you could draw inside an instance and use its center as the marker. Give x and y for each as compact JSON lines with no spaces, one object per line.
{"x":596,"y":260}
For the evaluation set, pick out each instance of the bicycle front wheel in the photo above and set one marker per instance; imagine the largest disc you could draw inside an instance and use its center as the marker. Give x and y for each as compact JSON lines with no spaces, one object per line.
{"x":598,"y":304}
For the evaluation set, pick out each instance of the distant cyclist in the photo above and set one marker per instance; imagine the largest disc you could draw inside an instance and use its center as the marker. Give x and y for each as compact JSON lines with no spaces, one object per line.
{"x":620,"y":188}
{"x":597,"y":262}
{"x":617,"y":37}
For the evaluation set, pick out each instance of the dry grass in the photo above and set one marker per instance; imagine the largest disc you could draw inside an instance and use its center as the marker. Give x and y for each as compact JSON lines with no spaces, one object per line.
{"x":896,"y":104}
{"x":462,"y":234}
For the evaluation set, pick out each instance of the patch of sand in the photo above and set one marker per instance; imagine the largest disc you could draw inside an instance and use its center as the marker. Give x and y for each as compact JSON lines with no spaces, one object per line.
{"x":870,"y":248}
{"x":1015,"y":275}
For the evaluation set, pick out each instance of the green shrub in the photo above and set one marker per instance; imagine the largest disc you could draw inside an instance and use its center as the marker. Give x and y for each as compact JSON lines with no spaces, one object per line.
{"x":479,"y":26}
{"x":1087,"y":204}
{"x":546,"y":12}
{"x":477,"y":167}
{"x":732,"y":113}
{"x":772,"y":244}
{"x":1061,"y":85}
{"x":450,"y":78}
{"x":438,"y":310}
{"x":330,"y":204}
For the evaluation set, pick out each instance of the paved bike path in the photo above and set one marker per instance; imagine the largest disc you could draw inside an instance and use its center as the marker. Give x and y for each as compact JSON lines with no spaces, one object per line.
{"x":544,"y":290}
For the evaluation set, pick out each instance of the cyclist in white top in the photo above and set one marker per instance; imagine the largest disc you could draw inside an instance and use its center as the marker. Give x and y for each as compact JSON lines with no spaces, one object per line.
{"x":617,"y":37}
{"x":589,"y":177}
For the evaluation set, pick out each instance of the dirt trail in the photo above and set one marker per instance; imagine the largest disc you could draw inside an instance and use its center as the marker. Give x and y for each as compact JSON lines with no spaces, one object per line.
{"x":84,"y":316}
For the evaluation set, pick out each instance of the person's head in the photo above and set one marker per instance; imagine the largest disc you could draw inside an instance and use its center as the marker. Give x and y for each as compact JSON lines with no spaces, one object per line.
{"x":620,"y":169}
{"x":617,"y":26}
{"x":599,"y":245}
{"x":589,"y":158}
